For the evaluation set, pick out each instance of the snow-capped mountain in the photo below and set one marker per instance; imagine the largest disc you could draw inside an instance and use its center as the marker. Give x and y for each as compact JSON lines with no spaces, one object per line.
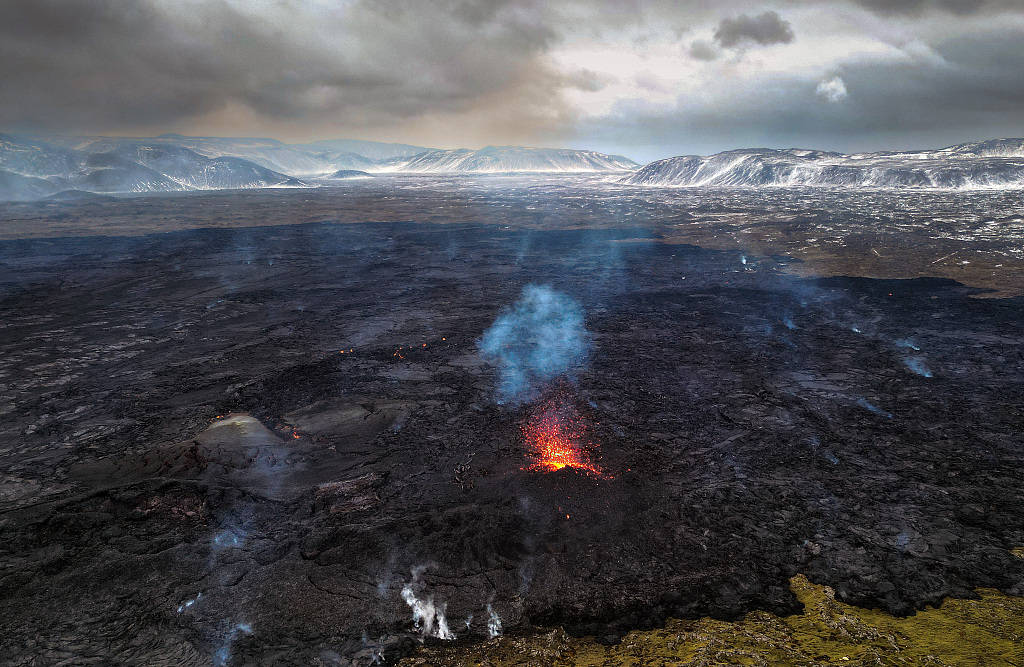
{"x":267,"y":153}
{"x":29,"y":157}
{"x":36,"y":167}
{"x":375,"y":151}
{"x":998,"y":163}
{"x":300,"y":160}
{"x":193,"y":171}
{"x":33,"y":169}
{"x":505,"y":159}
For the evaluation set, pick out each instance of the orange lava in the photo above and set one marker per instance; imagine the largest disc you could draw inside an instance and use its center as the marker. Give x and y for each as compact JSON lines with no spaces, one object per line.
{"x":555,"y":439}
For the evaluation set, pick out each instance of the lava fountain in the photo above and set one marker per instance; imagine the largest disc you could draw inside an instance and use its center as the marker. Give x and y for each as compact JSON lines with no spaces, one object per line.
{"x":556,"y":437}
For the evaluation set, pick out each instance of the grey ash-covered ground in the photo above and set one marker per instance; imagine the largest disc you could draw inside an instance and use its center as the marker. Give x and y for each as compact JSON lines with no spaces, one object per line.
{"x":193,"y":471}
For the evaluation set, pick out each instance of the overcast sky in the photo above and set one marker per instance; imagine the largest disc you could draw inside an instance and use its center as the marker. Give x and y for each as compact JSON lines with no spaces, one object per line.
{"x":645,"y":78}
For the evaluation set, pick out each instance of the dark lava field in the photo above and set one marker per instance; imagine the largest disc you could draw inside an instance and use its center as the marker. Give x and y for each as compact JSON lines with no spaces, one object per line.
{"x":255,"y":441}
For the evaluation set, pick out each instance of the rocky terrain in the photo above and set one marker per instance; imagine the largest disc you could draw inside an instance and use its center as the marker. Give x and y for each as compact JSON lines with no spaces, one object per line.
{"x":280,"y":443}
{"x":983,"y":631}
{"x":974,"y":237}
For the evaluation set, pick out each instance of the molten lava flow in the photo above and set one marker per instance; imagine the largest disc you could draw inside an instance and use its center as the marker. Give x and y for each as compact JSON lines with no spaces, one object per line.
{"x":555,"y":437}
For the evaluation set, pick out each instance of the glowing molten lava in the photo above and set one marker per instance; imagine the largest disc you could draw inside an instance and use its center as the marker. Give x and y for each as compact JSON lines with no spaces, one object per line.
{"x":555,"y":437}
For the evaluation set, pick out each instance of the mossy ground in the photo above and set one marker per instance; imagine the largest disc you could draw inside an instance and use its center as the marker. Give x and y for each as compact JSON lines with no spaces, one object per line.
{"x":985,"y":631}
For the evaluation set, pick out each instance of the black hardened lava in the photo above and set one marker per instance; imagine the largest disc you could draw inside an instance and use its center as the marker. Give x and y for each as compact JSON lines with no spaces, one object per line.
{"x":750,"y":425}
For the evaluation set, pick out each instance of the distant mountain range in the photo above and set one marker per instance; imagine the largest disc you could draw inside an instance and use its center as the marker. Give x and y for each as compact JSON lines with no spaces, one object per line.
{"x":36,"y":167}
{"x":998,"y":163}
{"x":30,"y":168}
{"x":69,"y":167}
{"x":506,"y":159}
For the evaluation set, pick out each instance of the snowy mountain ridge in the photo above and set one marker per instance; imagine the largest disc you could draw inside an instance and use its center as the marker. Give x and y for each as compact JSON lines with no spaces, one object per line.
{"x":508,"y":159}
{"x":997,"y":163}
{"x":34,"y":167}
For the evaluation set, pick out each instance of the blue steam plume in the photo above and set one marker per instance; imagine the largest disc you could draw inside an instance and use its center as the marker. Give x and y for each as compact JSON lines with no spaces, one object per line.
{"x":541,"y":337}
{"x":918,"y":366}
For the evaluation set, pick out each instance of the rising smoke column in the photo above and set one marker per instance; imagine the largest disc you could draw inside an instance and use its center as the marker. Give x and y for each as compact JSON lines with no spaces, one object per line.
{"x":539,"y":338}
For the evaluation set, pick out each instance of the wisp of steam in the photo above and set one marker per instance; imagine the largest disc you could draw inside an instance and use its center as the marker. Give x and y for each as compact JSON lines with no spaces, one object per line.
{"x":493,"y":622}
{"x":539,"y":338}
{"x":427,"y":617}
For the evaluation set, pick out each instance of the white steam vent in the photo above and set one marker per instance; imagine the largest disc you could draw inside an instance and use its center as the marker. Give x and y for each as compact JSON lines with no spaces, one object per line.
{"x":428,"y":618}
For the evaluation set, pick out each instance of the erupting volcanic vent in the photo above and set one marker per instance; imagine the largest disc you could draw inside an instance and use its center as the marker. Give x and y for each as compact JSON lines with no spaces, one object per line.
{"x":556,"y":436}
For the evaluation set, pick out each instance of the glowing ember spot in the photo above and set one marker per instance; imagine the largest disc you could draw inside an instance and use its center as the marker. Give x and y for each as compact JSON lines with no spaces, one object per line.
{"x":555,"y":437}
{"x":295,"y":434}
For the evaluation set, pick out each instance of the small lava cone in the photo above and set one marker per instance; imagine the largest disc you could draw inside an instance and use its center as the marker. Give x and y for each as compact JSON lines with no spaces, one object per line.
{"x":557,"y":435}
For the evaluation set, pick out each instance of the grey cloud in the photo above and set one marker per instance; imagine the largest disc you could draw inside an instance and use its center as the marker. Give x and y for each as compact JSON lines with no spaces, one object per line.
{"x":385,"y":66}
{"x":586,"y":80}
{"x":765,"y":28}
{"x":703,"y":50}
{"x":912,"y":7}
{"x":109,"y":65}
{"x":975,"y":92}
{"x":77,"y":64}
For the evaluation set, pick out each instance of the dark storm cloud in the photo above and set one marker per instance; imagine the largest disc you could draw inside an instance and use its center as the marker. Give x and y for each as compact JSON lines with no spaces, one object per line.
{"x":106,"y":60}
{"x":766,"y":28}
{"x":100,"y":64}
{"x":425,"y":71}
